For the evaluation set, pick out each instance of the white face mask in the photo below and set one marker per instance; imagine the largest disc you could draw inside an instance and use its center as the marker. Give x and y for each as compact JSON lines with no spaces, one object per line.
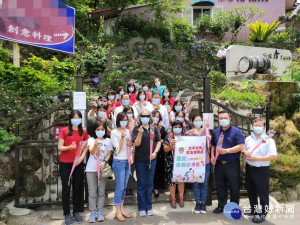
{"x":157,"y":84}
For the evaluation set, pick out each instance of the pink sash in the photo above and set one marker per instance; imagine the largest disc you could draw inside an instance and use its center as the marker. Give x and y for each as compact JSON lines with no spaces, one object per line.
{"x":128,"y":145}
{"x":151,"y":141}
{"x":219,"y":145}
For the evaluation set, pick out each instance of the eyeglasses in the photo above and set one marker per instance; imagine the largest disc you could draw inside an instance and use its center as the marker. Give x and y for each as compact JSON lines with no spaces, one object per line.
{"x":148,"y":116}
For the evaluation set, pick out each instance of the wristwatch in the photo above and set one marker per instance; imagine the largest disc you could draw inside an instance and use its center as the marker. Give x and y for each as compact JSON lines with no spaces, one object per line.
{"x":227,"y":150}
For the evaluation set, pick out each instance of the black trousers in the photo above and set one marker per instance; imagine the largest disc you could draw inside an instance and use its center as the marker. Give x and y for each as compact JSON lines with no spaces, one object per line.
{"x":257,"y":184}
{"x":228,"y":173}
{"x":223,"y":65}
{"x":159,"y":175}
{"x":77,"y":180}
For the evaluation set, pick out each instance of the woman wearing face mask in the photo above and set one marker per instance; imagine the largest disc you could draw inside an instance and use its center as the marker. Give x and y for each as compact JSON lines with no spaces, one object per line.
{"x":131,"y":90}
{"x":166,"y":104}
{"x":200,"y":189}
{"x":169,"y":146}
{"x":177,"y":107}
{"x":100,"y":116}
{"x":167,"y":96}
{"x":68,"y":143}
{"x":159,"y":175}
{"x":131,"y":124}
{"x":148,"y":91}
{"x":100,"y":146}
{"x":180,"y":116}
{"x":159,"y":88}
{"x":147,"y":145}
{"x":112,"y":103}
{"x":120,"y":91}
{"x":141,"y":103}
{"x":120,"y":137}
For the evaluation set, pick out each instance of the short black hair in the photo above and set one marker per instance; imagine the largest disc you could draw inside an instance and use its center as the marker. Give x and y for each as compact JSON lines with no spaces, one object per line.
{"x":124,"y":95}
{"x":177,"y":122}
{"x":166,"y":100}
{"x":194,"y":117}
{"x":145,"y":84}
{"x":110,"y":92}
{"x":223,"y":112}
{"x":120,"y":117}
{"x":100,"y":97}
{"x":96,"y":125}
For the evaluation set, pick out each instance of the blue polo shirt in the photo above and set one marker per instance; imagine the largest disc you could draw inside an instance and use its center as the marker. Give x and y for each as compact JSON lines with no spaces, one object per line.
{"x":232,"y":136}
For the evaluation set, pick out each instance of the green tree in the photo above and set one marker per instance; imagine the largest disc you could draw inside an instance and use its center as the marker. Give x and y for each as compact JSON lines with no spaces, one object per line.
{"x":238,"y":17}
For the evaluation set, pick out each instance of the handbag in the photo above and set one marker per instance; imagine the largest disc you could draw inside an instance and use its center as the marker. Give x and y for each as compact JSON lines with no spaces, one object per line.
{"x":106,"y":172}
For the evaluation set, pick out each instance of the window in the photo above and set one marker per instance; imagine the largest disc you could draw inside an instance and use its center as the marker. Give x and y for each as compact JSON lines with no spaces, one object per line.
{"x":201,"y":11}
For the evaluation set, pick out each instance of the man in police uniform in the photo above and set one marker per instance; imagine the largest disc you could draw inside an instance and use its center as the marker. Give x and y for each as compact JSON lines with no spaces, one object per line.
{"x":257,"y":169}
{"x":227,"y":165}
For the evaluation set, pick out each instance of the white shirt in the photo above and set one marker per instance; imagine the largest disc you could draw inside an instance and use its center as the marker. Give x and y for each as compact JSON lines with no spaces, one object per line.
{"x":115,"y":138}
{"x":90,"y":113}
{"x":268,"y":148}
{"x":165,"y":116}
{"x":118,"y":110}
{"x":141,"y":107}
{"x":103,"y":148}
{"x":221,"y":52}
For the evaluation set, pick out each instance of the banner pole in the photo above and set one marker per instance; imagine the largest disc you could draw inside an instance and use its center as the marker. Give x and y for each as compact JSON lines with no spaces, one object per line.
{"x":16,"y":54}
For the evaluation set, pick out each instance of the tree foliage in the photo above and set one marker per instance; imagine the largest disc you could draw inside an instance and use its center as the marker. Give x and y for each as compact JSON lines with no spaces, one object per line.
{"x":260,"y":31}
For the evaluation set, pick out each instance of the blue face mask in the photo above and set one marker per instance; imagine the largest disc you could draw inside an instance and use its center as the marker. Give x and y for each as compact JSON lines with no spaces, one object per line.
{"x":123,"y":123}
{"x":178,"y":108}
{"x":198,"y":124}
{"x":166,"y":94}
{"x":101,"y":114}
{"x":167,"y":107}
{"x":122,"y":93}
{"x":100,"y":103}
{"x":155,"y":101}
{"x":75,"y":122}
{"x":131,"y":89}
{"x":145,"y":120}
{"x":224,"y":123}
{"x":125,"y":102}
{"x":177,"y":130}
{"x":180,"y":119}
{"x":129,"y":115}
{"x":258,"y":130}
{"x":156,"y":119}
{"x":157,"y":84}
{"x":100,"y":133}
{"x":142,"y":97}
{"x":145,"y":88}
{"x":111,"y":97}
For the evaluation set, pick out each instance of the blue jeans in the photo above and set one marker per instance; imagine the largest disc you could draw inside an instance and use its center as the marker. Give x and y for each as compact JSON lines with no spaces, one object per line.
{"x":122,"y":172}
{"x":200,"y":189}
{"x":144,"y":184}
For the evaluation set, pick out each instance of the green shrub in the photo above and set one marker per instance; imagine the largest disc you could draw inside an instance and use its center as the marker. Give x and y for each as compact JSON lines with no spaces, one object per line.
{"x":6,"y":140}
{"x":218,"y":80}
{"x":285,"y":171}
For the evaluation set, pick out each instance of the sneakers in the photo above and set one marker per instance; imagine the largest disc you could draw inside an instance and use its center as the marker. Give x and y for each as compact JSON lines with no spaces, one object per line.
{"x":68,"y":219}
{"x":181,"y":202}
{"x":203,"y":208}
{"x":77,"y":217}
{"x":173,"y":203}
{"x":129,"y":193}
{"x":92,"y":218}
{"x":197,"y":208}
{"x":100,"y":217}
{"x":150,"y":212}
{"x":142,"y":213}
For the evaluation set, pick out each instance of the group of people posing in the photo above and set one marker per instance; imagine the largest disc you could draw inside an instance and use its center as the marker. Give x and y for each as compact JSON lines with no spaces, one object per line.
{"x":135,"y":131}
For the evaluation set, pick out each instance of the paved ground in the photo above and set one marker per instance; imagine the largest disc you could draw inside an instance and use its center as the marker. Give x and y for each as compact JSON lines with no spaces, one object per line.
{"x":164,"y":215}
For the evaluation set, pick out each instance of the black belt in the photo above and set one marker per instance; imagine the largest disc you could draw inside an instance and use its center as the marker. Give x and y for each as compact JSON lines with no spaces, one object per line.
{"x":255,"y":167}
{"x":227,"y":162}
